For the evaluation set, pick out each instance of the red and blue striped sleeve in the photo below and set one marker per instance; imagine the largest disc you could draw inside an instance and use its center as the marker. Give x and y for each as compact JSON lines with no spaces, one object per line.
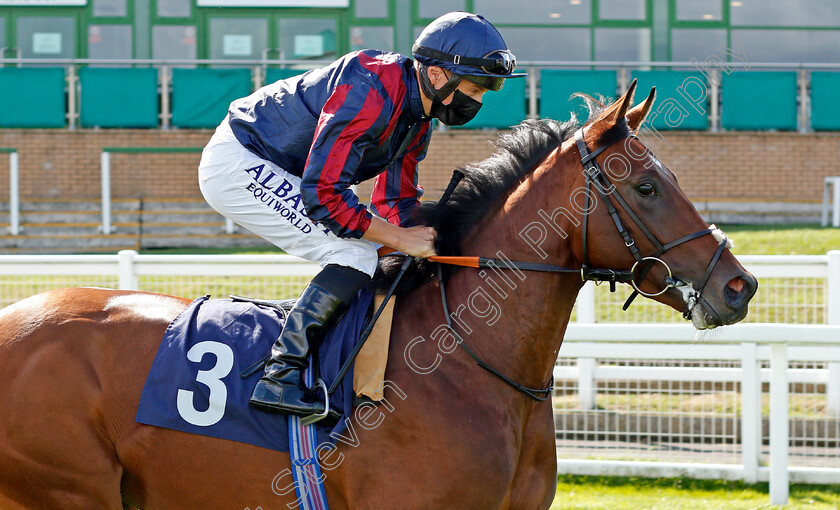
{"x":396,"y":192}
{"x":351,"y":119}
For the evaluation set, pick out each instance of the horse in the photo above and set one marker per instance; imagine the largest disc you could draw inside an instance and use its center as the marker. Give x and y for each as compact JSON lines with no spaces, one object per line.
{"x":450,"y":433}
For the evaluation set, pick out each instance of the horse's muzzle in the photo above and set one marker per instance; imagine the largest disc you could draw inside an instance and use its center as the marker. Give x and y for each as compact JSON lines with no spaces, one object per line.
{"x":737,"y":294}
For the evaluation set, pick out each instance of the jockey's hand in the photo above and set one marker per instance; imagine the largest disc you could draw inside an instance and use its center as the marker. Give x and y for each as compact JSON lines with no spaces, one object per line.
{"x":414,"y":241}
{"x":418,"y":241}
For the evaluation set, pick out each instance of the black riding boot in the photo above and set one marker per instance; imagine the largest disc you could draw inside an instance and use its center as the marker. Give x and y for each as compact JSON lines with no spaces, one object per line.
{"x":321,"y":304}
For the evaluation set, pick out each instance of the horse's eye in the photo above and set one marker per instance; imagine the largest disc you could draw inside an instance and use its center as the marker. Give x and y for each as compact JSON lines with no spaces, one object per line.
{"x":646,"y":189}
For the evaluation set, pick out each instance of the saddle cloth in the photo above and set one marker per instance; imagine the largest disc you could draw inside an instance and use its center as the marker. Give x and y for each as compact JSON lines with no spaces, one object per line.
{"x":195,"y":385}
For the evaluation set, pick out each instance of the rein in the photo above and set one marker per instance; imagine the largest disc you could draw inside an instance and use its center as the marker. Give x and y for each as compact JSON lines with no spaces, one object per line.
{"x":535,"y":394}
{"x":605,"y":188}
{"x":594,"y":176}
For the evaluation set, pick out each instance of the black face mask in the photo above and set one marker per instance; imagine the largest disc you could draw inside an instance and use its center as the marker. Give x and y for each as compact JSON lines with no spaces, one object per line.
{"x":459,"y":111}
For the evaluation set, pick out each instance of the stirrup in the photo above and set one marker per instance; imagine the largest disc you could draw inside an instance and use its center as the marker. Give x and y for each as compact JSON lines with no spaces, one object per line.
{"x":314,"y":418}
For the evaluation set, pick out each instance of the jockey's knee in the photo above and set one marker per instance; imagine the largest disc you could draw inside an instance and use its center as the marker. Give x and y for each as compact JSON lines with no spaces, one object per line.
{"x":353,"y":253}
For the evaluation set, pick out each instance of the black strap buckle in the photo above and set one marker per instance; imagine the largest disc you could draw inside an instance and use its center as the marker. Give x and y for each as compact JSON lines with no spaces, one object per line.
{"x":599,"y":275}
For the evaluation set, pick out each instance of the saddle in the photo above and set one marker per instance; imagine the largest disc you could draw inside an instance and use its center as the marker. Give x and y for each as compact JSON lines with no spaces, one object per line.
{"x":370,"y":362}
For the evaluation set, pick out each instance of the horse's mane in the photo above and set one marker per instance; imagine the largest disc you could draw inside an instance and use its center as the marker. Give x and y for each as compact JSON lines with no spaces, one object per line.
{"x":485,"y":183}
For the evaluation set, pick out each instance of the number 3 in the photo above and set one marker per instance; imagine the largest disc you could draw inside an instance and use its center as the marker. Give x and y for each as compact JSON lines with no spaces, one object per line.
{"x":210,"y":378}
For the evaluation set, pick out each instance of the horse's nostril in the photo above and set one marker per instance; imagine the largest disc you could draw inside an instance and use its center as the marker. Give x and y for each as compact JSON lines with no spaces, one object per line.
{"x":736,"y":284}
{"x":739,"y":291}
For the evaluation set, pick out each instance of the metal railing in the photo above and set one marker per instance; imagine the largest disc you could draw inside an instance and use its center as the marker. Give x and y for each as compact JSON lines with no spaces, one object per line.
{"x":747,"y":345}
{"x":631,"y":399}
{"x":105,"y":179}
{"x":14,"y":189}
{"x":259,"y":67}
{"x":816,"y":277}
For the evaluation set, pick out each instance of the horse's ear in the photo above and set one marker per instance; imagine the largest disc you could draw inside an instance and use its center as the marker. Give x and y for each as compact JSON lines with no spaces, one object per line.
{"x":637,"y":114}
{"x":618,"y":110}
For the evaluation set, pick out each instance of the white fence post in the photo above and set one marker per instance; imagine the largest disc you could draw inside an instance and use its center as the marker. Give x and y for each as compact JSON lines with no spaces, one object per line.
{"x":128,"y":277}
{"x":714,"y":101}
{"x":165,"y":113}
{"x":586,"y":303}
{"x":105,"y":171}
{"x":750,"y":411}
{"x":832,"y":314}
{"x":71,"y":97}
{"x":779,"y":425}
{"x":587,"y":387}
{"x":804,"y":107}
{"x":835,"y":205}
{"x":14,"y":194}
{"x":533,"y":77}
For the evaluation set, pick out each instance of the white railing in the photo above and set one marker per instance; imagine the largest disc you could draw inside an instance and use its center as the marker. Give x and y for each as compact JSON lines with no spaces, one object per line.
{"x":824,"y":269}
{"x":14,"y":190}
{"x":747,"y":344}
{"x":822,"y":273}
{"x":592,"y":357}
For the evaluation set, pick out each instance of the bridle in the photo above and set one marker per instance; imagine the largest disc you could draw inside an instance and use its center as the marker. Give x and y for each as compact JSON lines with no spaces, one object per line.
{"x":594,"y":175}
{"x":597,"y":177}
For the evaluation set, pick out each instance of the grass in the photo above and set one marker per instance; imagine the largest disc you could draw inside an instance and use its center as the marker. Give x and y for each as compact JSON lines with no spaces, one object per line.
{"x":802,"y":239}
{"x":629,"y":493}
{"x":788,"y":300}
{"x":795,"y":239}
{"x":721,"y":403}
{"x":792,"y":301}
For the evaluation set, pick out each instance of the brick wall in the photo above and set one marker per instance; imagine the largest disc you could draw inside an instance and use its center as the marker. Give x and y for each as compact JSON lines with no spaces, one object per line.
{"x":62,"y":164}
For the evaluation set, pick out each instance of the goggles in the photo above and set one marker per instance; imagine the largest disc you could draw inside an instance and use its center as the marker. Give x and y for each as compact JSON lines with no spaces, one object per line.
{"x":497,"y":62}
{"x":488,"y":82}
{"x":503,"y":62}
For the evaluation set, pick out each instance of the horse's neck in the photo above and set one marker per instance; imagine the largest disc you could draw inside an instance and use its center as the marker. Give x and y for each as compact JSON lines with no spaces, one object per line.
{"x":515,"y":320}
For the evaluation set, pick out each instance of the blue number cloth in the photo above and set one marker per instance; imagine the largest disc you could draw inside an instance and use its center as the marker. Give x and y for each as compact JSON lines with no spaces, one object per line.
{"x":195,"y":385}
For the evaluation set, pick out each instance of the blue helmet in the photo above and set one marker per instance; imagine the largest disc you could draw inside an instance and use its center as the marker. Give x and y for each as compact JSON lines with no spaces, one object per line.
{"x":469,"y":46}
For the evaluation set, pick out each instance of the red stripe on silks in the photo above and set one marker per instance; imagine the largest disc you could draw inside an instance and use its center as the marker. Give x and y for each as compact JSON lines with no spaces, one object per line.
{"x":409,"y":164}
{"x":408,"y":170}
{"x":390,"y":74}
{"x":337,"y":159}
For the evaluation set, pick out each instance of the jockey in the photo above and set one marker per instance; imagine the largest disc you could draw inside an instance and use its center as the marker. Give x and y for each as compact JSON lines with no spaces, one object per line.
{"x":283,"y":161}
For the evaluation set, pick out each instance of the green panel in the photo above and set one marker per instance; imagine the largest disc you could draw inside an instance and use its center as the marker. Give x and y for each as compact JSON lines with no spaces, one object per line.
{"x":759,"y":100}
{"x":557,"y":86}
{"x":272,"y":75}
{"x":825,"y":103}
{"x":680,"y":95}
{"x":502,"y":109}
{"x":200,"y":97}
{"x":119,"y":98}
{"x":32,"y":98}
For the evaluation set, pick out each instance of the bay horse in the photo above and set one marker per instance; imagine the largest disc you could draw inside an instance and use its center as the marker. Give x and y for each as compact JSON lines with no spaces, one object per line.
{"x":73,"y":362}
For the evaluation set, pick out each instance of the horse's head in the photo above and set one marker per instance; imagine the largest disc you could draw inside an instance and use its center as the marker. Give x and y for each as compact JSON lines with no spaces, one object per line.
{"x":675,"y":257}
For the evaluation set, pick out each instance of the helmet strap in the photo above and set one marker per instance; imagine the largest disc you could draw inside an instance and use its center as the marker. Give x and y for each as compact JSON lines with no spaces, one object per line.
{"x":430,"y":91}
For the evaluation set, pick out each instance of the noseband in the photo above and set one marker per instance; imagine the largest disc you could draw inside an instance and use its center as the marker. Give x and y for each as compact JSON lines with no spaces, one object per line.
{"x":597,"y":177}
{"x":594,"y":176}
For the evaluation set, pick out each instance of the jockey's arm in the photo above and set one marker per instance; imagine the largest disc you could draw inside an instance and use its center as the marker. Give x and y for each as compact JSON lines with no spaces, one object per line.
{"x":415,"y":241}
